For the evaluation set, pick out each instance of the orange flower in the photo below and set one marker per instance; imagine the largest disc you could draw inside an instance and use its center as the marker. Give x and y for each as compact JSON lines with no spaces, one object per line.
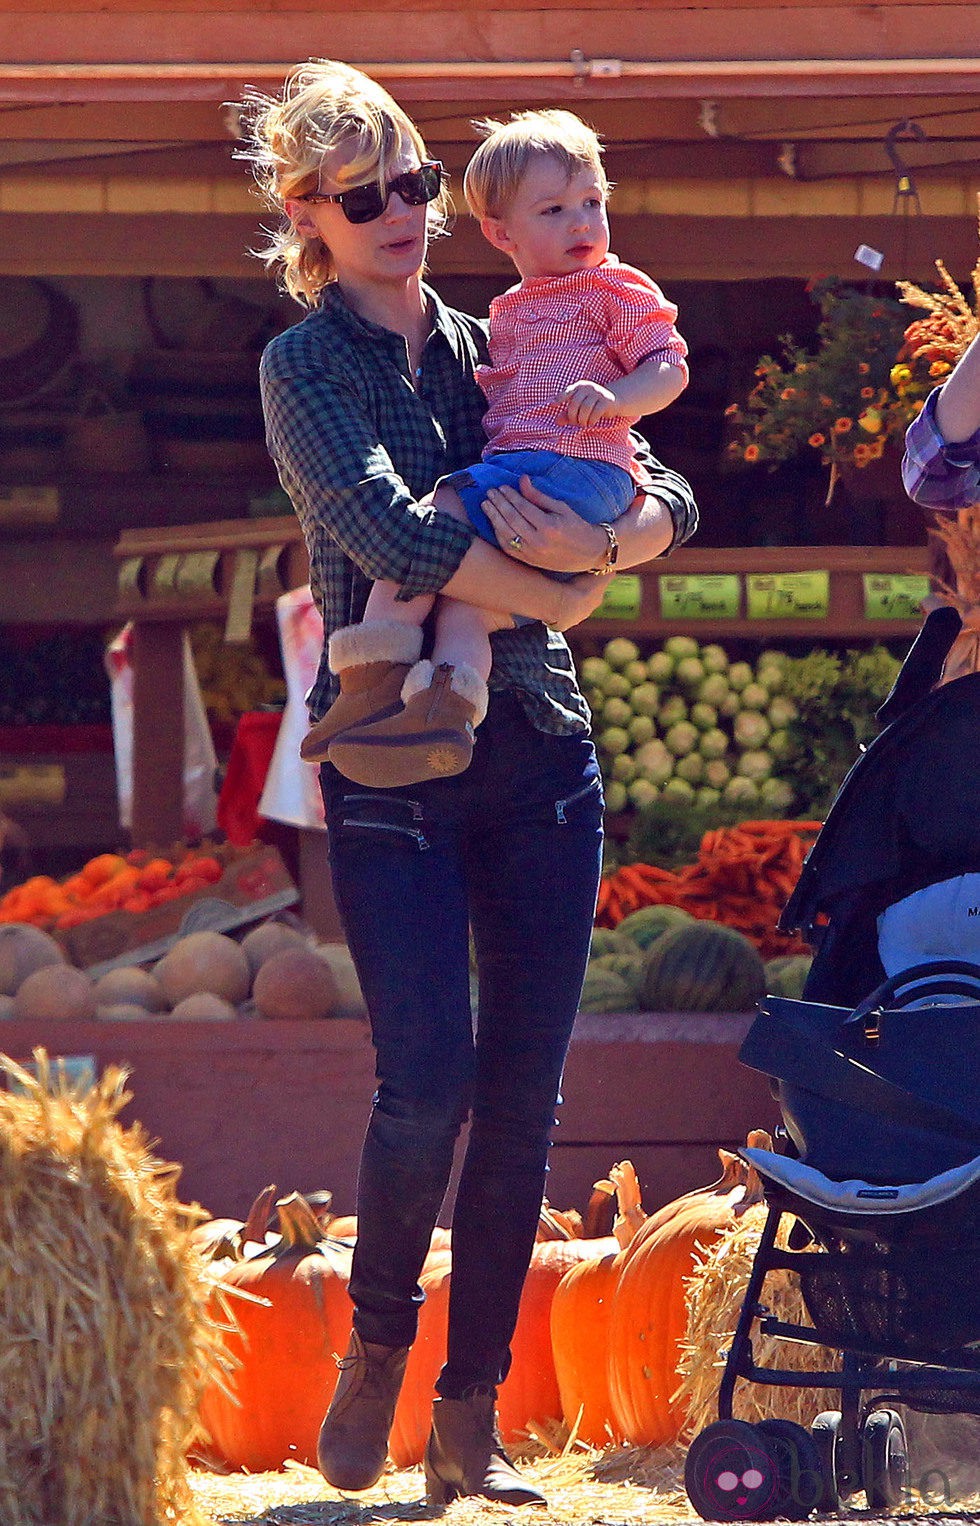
{"x":867,"y":392}
{"x":862,"y":454}
{"x":863,"y":368}
{"x":842,"y":425}
{"x":787,"y":393}
{"x":751,"y":453}
{"x":816,"y":440}
{"x":731,"y":410}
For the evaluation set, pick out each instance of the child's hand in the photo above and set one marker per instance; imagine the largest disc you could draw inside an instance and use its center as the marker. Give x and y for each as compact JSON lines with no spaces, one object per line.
{"x":587,"y":402}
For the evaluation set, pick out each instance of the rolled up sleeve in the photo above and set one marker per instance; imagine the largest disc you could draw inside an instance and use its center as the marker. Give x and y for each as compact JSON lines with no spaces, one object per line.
{"x":938,"y":475}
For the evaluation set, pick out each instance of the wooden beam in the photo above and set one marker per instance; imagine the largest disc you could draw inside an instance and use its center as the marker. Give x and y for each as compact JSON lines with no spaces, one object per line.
{"x":674,"y":248}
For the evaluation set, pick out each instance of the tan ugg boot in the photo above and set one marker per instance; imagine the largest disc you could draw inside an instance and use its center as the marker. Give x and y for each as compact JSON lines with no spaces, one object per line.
{"x":465,"y":1456}
{"x":431,"y":737}
{"x":372,"y":661}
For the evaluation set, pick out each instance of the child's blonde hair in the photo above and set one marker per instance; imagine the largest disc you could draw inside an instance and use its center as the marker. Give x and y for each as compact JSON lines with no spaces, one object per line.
{"x":324,"y":104}
{"x":508,"y":149}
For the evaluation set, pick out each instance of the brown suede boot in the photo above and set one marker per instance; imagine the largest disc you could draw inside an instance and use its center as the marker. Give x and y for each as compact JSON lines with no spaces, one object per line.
{"x":465,"y":1455}
{"x":353,"y":1443}
{"x":372,"y":661}
{"x":431,"y":737}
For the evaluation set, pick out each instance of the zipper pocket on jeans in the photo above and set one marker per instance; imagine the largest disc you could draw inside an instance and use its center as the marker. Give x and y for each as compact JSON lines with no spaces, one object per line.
{"x":390,"y":826}
{"x":366,"y":799}
{"x":562,"y":805}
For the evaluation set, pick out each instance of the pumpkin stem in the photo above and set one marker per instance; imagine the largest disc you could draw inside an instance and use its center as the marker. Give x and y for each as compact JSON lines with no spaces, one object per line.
{"x":601,"y":1211}
{"x":757,"y":1139}
{"x":630,"y":1215}
{"x":259,"y":1215}
{"x":297,"y":1224}
{"x":555,"y":1225}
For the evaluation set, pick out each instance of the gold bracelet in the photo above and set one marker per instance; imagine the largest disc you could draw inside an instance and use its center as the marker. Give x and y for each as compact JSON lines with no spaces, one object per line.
{"x":611,"y":553}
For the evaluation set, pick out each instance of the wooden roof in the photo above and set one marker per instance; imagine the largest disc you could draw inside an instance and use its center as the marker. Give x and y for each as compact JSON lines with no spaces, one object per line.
{"x":731,"y":113}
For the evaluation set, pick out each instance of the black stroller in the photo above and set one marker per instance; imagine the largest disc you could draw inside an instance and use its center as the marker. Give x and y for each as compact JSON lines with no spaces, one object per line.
{"x":877,"y":1072}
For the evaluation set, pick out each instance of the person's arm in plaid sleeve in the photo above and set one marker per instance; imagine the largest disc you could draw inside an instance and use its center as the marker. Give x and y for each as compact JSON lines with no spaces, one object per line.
{"x":317,"y":433}
{"x":317,"y":430}
{"x":941,"y":468}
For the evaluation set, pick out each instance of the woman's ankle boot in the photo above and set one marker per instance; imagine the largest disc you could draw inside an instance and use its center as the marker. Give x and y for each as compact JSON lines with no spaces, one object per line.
{"x":430,"y":737}
{"x":372,"y":661}
{"x":465,"y":1455}
{"x":353,"y":1443}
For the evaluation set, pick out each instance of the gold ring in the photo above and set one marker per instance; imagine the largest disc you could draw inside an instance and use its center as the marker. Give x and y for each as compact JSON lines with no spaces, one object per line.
{"x":516,"y":542}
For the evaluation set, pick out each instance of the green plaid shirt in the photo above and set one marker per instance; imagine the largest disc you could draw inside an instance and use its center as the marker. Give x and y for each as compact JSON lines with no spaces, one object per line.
{"x":357,"y":445}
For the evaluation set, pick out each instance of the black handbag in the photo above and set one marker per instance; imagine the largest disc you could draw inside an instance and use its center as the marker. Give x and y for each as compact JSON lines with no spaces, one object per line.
{"x":887,"y":1092}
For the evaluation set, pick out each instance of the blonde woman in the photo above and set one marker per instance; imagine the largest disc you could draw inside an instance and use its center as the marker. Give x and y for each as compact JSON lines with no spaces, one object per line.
{"x":369,"y":401}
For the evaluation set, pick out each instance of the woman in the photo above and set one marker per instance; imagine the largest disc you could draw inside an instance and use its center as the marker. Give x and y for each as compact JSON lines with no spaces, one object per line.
{"x":368,"y":401}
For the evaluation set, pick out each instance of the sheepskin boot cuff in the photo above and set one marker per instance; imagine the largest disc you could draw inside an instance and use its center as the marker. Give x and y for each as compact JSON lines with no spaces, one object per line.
{"x":374,"y":641}
{"x":464,"y":681}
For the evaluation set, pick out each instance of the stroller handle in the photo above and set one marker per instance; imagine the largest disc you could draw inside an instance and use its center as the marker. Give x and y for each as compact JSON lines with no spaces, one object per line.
{"x":939,"y":977}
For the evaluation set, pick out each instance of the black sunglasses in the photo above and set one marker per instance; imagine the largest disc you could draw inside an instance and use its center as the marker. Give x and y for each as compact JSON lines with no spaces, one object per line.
{"x":363,"y":203}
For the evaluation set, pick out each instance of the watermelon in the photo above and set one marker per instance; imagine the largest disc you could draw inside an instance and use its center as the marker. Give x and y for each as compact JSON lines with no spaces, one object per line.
{"x":646,"y":925}
{"x":703,"y":967}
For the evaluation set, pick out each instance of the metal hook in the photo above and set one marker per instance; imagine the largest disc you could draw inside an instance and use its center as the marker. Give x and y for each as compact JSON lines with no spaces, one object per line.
{"x":903,"y":132}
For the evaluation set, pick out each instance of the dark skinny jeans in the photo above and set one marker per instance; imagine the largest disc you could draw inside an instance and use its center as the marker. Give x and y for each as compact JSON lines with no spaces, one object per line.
{"x":511,"y":847}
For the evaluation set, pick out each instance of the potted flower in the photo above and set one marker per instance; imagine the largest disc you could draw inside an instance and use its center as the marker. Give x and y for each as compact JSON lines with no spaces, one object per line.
{"x":838,"y":401}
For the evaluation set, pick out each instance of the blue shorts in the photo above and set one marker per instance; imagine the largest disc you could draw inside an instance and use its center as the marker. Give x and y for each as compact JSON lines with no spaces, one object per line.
{"x":594,"y":490}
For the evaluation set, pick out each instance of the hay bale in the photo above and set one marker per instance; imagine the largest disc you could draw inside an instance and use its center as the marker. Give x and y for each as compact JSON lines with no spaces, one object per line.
{"x":104,"y":1332}
{"x":715,"y":1291}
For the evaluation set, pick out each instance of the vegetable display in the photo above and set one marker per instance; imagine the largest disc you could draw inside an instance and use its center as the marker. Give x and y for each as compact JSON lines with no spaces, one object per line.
{"x":742,"y":876}
{"x":688,"y":722}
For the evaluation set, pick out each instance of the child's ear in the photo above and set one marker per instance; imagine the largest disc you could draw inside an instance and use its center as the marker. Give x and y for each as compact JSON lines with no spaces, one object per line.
{"x":494,"y":230}
{"x":302,"y":219}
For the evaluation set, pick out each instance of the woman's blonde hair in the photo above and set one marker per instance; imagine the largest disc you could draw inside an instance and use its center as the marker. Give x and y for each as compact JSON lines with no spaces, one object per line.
{"x":508,"y":149}
{"x":324,"y":104}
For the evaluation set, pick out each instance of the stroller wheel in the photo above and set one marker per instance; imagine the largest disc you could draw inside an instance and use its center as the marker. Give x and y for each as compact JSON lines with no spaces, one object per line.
{"x":801,"y":1475}
{"x":732,"y":1474}
{"x":884,"y":1460}
{"x":825,"y":1431}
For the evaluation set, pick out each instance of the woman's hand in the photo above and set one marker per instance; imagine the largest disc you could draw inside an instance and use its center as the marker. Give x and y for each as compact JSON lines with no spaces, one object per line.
{"x":577,"y":600}
{"x":549,"y":534}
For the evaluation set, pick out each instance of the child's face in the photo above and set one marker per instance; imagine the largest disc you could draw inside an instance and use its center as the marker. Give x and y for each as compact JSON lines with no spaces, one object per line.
{"x":553,"y":226}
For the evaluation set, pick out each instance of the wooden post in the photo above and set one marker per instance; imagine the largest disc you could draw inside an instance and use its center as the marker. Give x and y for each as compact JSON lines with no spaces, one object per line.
{"x":158,"y":732}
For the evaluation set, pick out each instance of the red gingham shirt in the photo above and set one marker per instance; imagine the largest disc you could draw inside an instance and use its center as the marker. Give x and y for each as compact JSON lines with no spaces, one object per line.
{"x":549,"y":331}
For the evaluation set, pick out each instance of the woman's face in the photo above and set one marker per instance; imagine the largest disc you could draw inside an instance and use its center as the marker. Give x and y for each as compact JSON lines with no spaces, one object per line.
{"x":391,"y":248}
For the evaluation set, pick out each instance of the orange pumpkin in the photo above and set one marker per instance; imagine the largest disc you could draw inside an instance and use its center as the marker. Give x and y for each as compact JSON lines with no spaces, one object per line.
{"x":530,"y":1390}
{"x":293,"y":1322}
{"x":580,"y":1315}
{"x":649,"y":1316}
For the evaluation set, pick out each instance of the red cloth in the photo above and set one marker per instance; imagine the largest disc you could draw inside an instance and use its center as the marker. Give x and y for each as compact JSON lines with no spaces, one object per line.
{"x":248,"y":764}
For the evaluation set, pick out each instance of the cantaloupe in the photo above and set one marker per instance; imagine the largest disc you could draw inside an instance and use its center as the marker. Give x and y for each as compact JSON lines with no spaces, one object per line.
{"x":295,"y":983}
{"x":703,"y":967}
{"x":24,"y":949}
{"x":204,"y":961}
{"x":55,"y":991}
{"x":204,"y":1006}
{"x":131,"y":985}
{"x":269,"y":938}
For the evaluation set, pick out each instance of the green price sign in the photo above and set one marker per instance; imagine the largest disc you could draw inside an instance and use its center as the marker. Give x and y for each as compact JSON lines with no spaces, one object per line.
{"x":787,"y":595}
{"x":704,"y":596}
{"x":622,"y":598}
{"x":894,"y":595}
